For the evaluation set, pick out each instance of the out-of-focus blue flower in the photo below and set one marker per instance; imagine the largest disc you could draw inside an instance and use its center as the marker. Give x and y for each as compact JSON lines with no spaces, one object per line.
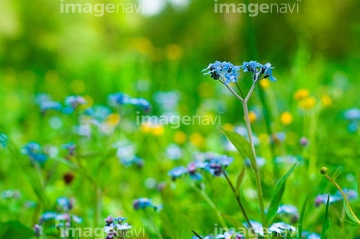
{"x":74,"y":101}
{"x":258,"y":70}
{"x":173,"y":152}
{"x":37,"y":230}
{"x":117,"y":99}
{"x":167,"y":101}
{"x":65,"y":203}
{"x":282,"y":229}
{"x":83,"y":130}
{"x":3,"y":140}
{"x":257,"y":226}
{"x":216,"y":165}
{"x":288,"y":210}
{"x":352,"y":114}
{"x":10,"y":194}
{"x":192,"y":170}
{"x":308,"y":235}
{"x":225,"y":71}
{"x":322,"y":198}
{"x":98,"y":112}
{"x":177,"y":172}
{"x":127,"y":157}
{"x":289,"y":159}
{"x":132,"y":161}
{"x":304,"y":141}
{"x":49,"y":105}
{"x":47,"y":216}
{"x":259,"y":160}
{"x":70,"y":147}
{"x":34,"y":152}
{"x":209,"y":162}
{"x":142,"y":203}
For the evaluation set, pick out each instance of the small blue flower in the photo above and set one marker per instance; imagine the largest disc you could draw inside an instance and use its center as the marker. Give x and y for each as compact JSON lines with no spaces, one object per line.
{"x":177,"y":172}
{"x":118,"y":99}
{"x":142,"y":203}
{"x":258,"y":70}
{"x":140,"y":102}
{"x":223,"y":70}
{"x":65,"y":203}
{"x":281,"y":228}
{"x":98,"y":112}
{"x":132,"y":161}
{"x":33,"y":151}
{"x":288,"y":210}
{"x":47,"y":216}
{"x":70,"y":147}
{"x":75,"y":101}
{"x":49,"y":105}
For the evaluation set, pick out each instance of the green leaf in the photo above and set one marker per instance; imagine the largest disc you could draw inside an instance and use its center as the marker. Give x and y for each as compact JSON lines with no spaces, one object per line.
{"x":302,"y":217}
{"x":277,"y":195}
{"x":240,"y":180}
{"x":241,"y":144}
{"x":15,"y":230}
{"x":175,"y":223}
{"x":326,"y":223}
{"x":350,"y":213}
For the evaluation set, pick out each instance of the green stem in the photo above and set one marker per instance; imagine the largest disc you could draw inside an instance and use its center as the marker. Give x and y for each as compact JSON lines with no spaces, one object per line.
{"x":344,"y":196}
{"x":238,"y":201}
{"x":97,"y":206}
{"x":255,"y":168}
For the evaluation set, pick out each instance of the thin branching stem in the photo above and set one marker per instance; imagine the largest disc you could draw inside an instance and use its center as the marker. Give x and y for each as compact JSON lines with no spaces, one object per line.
{"x":238,"y":201}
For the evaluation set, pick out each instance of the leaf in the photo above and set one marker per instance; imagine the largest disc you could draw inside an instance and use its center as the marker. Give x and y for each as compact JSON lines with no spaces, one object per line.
{"x":302,"y":217}
{"x":15,"y":230}
{"x":277,"y":195}
{"x":240,"y":180}
{"x":337,"y":172}
{"x":326,"y":224}
{"x":350,"y":213}
{"x":241,"y":144}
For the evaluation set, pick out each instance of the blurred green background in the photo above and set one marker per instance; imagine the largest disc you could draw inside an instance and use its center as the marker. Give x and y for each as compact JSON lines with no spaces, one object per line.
{"x":317,"y":49}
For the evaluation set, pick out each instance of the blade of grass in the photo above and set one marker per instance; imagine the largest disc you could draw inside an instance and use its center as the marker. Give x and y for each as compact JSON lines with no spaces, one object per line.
{"x":325,"y":226}
{"x":300,"y":224}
